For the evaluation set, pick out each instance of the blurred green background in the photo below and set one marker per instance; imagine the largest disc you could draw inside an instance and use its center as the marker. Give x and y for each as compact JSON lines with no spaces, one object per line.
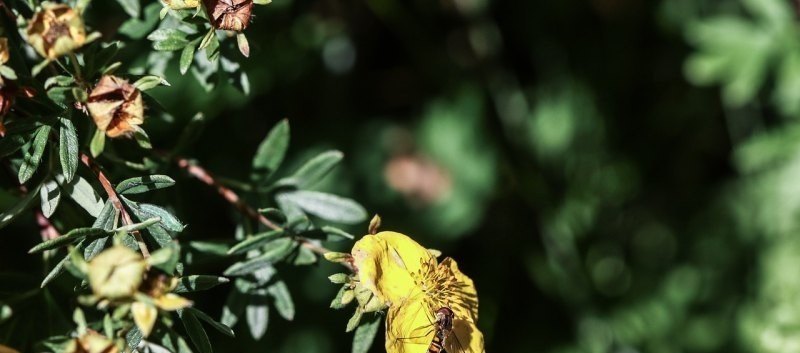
{"x":615,"y":175}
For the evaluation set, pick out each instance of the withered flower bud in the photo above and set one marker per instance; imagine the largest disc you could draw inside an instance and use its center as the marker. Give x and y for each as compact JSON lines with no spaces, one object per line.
{"x":7,"y":95}
{"x":116,"y":106}
{"x":230,"y":15}
{"x":182,"y":4}
{"x":56,"y":30}
{"x":4,"y":55}
{"x":116,"y":273}
{"x":91,"y":342}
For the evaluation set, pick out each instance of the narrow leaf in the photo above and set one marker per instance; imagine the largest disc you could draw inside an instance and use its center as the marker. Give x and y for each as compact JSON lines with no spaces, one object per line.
{"x":71,"y":236}
{"x":195,"y":331}
{"x":143,"y":184}
{"x":317,"y":168}
{"x":271,"y":151}
{"x":33,"y":157}
{"x":257,"y":314}
{"x":365,"y":334}
{"x":283,"y":299}
{"x":50,"y":196}
{"x":274,"y":251}
{"x":196,"y":283}
{"x":255,"y":241}
{"x":83,"y":194}
{"x":68,"y":148}
{"x":327,"y":206}
{"x":216,"y":325}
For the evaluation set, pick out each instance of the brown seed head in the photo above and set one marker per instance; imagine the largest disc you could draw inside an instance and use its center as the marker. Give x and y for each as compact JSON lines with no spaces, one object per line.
{"x":116,"y":106}
{"x":56,"y":30}
{"x":230,"y":15}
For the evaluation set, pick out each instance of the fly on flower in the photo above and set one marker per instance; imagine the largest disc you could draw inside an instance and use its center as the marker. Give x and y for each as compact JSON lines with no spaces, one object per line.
{"x":432,"y":307}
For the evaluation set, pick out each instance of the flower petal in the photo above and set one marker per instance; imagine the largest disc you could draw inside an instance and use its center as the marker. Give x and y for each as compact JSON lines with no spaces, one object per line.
{"x":144,"y":315}
{"x":172,"y":301}
{"x":460,"y":292}
{"x":386,"y":262}
{"x":409,"y":327}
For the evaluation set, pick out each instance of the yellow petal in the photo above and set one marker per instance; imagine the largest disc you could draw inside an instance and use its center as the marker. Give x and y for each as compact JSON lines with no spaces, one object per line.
{"x":172,"y":301}
{"x":386,"y":264}
{"x":410,"y":328}
{"x":144,"y":315}
{"x":459,"y":294}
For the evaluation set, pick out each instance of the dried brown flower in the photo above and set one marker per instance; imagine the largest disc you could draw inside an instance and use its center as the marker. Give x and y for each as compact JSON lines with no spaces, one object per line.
{"x":231,"y":15}
{"x":116,"y":106}
{"x":56,"y":30}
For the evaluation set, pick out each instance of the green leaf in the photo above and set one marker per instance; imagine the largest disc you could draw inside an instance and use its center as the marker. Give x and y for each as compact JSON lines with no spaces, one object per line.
{"x":187,"y":56}
{"x":142,"y":139}
{"x":191,"y":132}
{"x":255,"y":241}
{"x":137,"y":226}
{"x":70,"y":237}
{"x":8,"y":215}
{"x":243,"y":44}
{"x":136,"y":28}
{"x":257,"y":314}
{"x":168,"y":39}
{"x":50,"y":195}
{"x":271,"y":151}
{"x":149,"y":81}
{"x":337,"y":303}
{"x":139,"y":185}
{"x":339,"y":278}
{"x":273,"y":251}
{"x":304,"y":256}
{"x":105,"y":220}
{"x":216,"y":325}
{"x":83,"y":194}
{"x":327,"y":206}
{"x":14,"y":141}
{"x":32,"y":158}
{"x":236,"y":302}
{"x":195,"y":331}
{"x":134,"y":337}
{"x":208,"y":38}
{"x":165,"y":259}
{"x":57,"y":270}
{"x":8,"y":72}
{"x":354,"y":320}
{"x":316,"y":168}
{"x":283,"y":299}
{"x":365,"y":334}
{"x":68,"y":148}
{"x":98,"y":143}
{"x":196,"y":283}
{"x":131,"y":7}
{"x":168,"y":221}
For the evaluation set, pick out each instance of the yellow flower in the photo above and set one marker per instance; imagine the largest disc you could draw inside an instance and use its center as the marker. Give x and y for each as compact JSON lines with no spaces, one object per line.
{"x":407,"y":277}
{"x":56,"y":30}
{"x":116,"y":273}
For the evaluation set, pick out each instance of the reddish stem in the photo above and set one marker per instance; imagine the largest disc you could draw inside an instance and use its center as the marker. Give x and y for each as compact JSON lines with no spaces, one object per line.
{"x":114,"y":198}
{"x":207,"y":178}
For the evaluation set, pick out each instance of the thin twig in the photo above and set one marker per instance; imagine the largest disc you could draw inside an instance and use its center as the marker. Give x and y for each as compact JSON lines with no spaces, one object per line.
{"x":207,"y":178}
{"x":114,"y":198}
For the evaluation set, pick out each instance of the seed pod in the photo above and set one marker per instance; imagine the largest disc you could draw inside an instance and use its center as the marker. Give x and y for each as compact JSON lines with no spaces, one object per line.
{"x":116,"y":106}
{"x":56,"y":30}
{"x":230,"y":15}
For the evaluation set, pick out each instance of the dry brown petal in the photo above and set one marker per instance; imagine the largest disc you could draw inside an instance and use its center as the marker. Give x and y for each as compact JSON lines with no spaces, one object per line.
{"x":4,"y":55}
{"x":231,"y":15}
{"x":116,"y":106}
{"x":56,"y":30}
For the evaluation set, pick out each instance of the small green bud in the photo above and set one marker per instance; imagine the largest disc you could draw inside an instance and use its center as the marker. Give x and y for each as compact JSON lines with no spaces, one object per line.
{"x":339,"y":278}
{"x":337,"y":256}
